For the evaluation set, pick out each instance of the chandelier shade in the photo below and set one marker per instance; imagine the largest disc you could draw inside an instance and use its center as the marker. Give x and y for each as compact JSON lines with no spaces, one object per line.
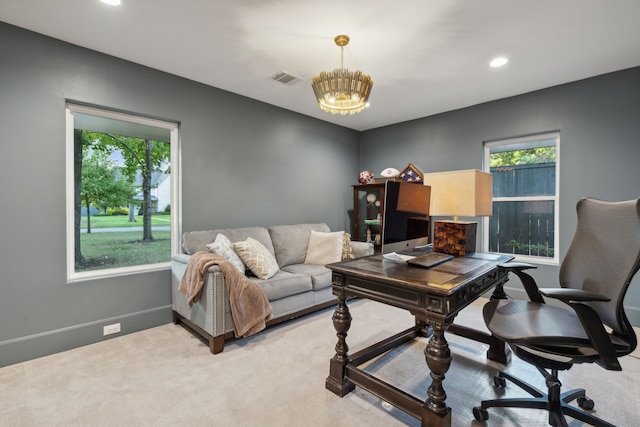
{"x":342,"y":91}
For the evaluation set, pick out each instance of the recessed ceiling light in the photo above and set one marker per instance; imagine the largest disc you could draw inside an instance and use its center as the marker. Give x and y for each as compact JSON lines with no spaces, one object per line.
{"x":499,"y":61}
{"x":111,"y":2}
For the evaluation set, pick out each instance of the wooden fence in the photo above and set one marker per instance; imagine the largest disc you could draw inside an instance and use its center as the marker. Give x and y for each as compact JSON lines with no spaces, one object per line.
{"x":523,"y":227}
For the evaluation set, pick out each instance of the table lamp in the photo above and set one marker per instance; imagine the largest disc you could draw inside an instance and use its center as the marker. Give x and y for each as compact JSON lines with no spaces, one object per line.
{"x":458,"y":193}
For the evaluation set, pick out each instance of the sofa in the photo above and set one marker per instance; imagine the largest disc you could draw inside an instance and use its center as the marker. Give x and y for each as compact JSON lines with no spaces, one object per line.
{"x":299,"y":284}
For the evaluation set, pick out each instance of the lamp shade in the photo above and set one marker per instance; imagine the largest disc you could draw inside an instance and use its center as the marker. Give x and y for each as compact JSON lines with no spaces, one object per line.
{"x":460,"y":193}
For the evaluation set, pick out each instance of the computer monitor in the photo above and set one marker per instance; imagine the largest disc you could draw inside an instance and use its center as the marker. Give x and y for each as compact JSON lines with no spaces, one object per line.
{"x":405,"y":224}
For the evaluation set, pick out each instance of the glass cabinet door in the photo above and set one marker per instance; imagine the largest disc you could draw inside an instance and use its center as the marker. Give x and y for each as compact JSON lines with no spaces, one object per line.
{"x":368,"y":212}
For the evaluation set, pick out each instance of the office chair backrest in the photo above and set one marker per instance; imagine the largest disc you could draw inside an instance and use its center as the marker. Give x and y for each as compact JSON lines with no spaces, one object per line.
{"x":604,"y":256}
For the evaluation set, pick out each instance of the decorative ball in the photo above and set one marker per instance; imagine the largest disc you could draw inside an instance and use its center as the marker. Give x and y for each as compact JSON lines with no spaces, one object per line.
{"x":390,"y":173}
{"x":365,"y":177}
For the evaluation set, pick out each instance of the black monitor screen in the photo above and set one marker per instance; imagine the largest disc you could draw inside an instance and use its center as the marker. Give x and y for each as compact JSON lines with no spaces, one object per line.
{"x":406,"y":216}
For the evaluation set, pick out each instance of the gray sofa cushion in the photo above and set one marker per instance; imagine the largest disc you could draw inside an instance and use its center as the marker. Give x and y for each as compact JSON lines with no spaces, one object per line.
{"x":290,"y":241}
{"x":283,"y":284}
{"x":320,"y":275}
{"x":194,"y":241}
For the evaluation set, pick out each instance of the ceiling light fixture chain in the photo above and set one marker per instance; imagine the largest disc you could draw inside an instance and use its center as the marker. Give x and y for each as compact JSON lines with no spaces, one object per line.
{"x":342,"y":41}
{"x":342,"y":91}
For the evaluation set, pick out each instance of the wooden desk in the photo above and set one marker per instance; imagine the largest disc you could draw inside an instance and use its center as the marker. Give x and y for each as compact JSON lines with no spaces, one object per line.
{"x":434,"y":296}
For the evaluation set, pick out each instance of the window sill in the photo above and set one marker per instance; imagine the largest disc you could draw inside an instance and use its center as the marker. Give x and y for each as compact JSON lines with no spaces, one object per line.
{"x":115,"y":272}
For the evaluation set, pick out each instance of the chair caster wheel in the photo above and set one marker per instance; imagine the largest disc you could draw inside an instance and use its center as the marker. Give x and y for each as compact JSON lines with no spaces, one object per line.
{"x":585,"y":403}
{"x":480,"y":414}
{"x":499,"y":382}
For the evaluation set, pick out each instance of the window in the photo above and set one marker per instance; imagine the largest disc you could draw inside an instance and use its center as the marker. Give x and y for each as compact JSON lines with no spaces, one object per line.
{"x":122,"y":199}
{"x":525,"y":197}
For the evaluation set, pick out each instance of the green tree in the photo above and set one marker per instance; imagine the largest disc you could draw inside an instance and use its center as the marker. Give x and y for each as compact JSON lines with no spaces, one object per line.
{"x":102,"y":185}
{"x":523,"y":157}
{"x":78,"y":144}
{"x":145,"y":156}
{"x":140,"y":155}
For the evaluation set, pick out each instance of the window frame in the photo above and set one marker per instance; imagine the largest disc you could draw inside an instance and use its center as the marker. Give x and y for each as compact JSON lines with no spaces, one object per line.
{"x":555,"y":198}
{"x":176,"y":210}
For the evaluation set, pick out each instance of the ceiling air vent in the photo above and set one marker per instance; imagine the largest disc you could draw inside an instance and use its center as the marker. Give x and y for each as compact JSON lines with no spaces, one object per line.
{"x":284,"y":77}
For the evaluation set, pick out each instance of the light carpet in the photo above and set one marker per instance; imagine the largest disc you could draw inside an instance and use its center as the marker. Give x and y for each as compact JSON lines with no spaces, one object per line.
{"x":165,"y":376}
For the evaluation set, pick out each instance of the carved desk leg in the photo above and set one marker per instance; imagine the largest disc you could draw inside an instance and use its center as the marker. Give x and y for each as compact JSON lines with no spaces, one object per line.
{"x":423,"y":328}
{"x":438,"y":355}
{"x":336,"y":381}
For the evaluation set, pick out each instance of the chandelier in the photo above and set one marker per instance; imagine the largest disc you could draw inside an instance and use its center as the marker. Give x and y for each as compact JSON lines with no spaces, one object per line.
{"x":342,"y":91}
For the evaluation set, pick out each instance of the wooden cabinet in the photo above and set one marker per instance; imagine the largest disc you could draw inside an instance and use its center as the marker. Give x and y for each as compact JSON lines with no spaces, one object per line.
{"x":368,"y":213}
{"x":408,"y":222}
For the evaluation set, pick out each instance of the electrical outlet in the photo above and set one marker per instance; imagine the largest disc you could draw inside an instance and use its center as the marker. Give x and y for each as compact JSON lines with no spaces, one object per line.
{"x":111,"y":329}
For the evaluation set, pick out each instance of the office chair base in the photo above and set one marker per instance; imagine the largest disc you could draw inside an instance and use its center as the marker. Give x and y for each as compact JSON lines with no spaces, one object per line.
{"x":555,"y":403}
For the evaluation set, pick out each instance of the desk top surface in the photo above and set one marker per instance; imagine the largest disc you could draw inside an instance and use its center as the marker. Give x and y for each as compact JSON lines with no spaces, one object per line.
{"x":443,"y":278}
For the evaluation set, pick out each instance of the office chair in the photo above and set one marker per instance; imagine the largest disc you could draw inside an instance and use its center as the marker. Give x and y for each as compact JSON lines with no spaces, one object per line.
{"x":589,"y":327}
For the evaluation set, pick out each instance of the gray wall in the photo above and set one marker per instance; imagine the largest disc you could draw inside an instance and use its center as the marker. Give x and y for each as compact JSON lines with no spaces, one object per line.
{"x":243,"y":163}
{"x":247,"y":163}
{"x":599,"y":124}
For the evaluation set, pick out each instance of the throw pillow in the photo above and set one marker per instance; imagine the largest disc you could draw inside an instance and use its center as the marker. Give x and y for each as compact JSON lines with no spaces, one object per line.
{"x":223,"y":247}
{"x":324,"y":248}
{"x":347,"y":249}
{"x":290,"y":241}
{"x":257,"y":258}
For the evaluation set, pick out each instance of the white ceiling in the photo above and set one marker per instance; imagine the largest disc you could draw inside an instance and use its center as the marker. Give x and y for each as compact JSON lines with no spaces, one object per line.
{"x":425,"y":56}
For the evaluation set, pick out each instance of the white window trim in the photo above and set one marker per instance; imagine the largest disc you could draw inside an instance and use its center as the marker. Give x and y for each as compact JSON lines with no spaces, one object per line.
{"x":556,"y":199}
{"x":176,"y":206}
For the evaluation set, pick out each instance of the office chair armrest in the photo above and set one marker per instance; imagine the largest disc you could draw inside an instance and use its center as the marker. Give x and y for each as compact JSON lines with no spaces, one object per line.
{"x":590,"y":321}
{"x":528,"y":282}
{"x":572,"y":295}
{"x":519,"y":266}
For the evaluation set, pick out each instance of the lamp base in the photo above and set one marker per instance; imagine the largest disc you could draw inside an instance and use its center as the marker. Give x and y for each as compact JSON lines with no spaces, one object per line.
{"x":456,"y":238}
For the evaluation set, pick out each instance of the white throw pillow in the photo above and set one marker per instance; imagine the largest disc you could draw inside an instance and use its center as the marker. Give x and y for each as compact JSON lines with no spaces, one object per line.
{"x":324,"y":248}
{"x":222,"y":246}
{"x":257,"y":258}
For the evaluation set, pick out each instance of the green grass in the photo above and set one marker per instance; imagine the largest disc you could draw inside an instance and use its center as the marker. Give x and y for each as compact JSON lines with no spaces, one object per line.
{"x":122,"y":249}
{"x":108,"y":221}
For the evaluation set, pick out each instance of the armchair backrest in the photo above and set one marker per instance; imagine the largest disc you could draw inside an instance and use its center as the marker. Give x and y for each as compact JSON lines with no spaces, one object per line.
{"x":604,"y":256}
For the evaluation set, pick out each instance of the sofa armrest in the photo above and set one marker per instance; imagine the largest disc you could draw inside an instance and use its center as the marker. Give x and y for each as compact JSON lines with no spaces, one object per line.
{"x":181,"y":258}
{"x":361,"y":249}
{"x":180,"y":261}
{"x":211,"y":312}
